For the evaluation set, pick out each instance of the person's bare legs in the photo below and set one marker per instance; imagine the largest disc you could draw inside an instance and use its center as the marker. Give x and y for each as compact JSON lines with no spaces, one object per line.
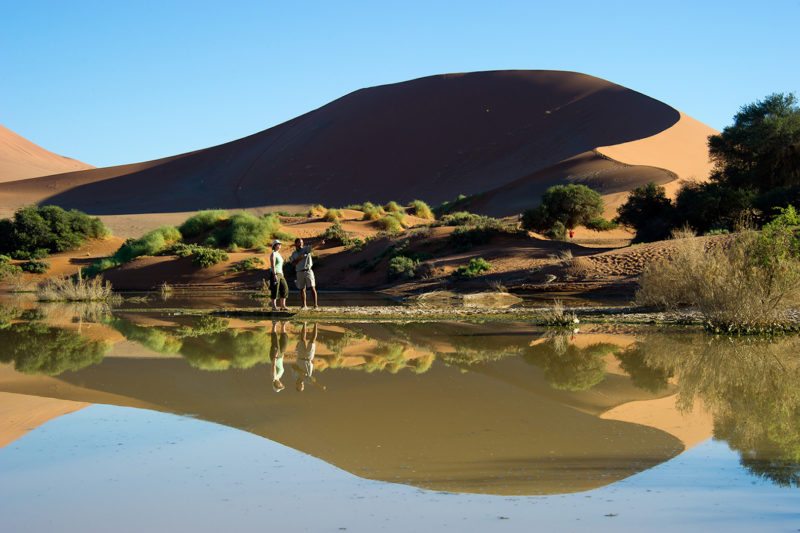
{"x":314,"y":294}
{"x":314,"y":335}
{"x":303,"y":297}
{"x":283,"y":303}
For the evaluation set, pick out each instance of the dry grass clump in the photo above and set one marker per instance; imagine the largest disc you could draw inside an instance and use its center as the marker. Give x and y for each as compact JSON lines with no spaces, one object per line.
{"x":420,"y":209}
{"x":392,"y":206}
{"x":372,"y":211}
{"x":77,"y":289}
{"x":557,"y":316}
{"x":745,"y":287}
{"x":332,"y":215}
{"x":317,"y":210}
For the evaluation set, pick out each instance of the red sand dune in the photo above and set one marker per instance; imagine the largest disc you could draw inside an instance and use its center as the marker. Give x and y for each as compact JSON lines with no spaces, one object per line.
{"x":514,"y":132}
{"x":21,"y":159}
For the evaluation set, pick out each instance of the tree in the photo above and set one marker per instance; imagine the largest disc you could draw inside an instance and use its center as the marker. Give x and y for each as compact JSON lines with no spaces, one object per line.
{"x":648,"y":211}
{"x":571,"y":205}
{"x":761,"y":150}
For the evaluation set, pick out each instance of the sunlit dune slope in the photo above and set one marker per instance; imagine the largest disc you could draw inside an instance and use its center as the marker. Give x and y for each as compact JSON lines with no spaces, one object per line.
{"x":21,"y":159}
{"x":431,"y":138}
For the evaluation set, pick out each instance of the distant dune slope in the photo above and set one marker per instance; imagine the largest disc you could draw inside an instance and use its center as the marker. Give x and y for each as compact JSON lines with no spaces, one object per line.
{"x":21,"y":159}
{"x":431,"y":138}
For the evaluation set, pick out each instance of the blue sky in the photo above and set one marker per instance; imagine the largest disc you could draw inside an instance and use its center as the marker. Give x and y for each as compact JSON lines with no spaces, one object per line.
{"x":120,"y":82}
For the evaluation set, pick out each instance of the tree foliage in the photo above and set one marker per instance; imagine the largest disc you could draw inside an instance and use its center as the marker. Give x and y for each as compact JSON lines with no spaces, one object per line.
{"x":761,"y":149}
{"x":571,"y":205}
{"x":36,"y":231}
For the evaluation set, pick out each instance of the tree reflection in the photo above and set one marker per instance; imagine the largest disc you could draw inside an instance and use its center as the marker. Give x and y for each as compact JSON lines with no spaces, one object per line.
{"x":36,"y":348}
{"x":207,"y":344}
{"x":568,"y":367}
{"x":752,"y":386}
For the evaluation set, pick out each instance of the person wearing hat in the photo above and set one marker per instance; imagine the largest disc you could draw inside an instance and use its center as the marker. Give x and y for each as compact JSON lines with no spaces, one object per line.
{"x":277,"y":283}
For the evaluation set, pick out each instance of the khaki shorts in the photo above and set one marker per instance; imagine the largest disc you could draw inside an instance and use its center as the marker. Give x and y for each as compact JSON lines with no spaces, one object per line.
{"x":305,"y":279}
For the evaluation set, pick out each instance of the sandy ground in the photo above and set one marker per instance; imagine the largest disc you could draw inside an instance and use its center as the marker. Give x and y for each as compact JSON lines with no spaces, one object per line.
{"x":20,"y":413}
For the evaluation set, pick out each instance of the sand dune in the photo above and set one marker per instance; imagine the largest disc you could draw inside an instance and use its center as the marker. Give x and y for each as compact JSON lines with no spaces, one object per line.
{"x":431,"y":138}
{"x":21,"y":159}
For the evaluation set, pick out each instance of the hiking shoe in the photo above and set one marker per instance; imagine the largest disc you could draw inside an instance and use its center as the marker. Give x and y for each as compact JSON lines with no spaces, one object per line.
{"x":304,"y":308}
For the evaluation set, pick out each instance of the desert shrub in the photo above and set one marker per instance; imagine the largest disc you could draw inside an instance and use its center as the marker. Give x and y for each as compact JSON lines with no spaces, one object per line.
{"x":244,"y":229}
{"x":371,"y":211}
{"x":336,"y":233}
{"x":9,"y":272}
{"x":419,"y":233}
{"x":151,"y":243}
{"x":202,"y":222}
{"x":402,"y":267}
{"x":745,"y":287}
{"x":459,"y":204}
{"x":35,"y":231}
{"x":571,"y":205}
{"x":35,"y":266}
{"x":476,"y":266}
{"x":465,"y":237}
{"x":206,"y":257}
{"x":392,"y":206}
{"x":649,"y":212}
{"x":75,"y":289}
{"x":557,"y":232}
{"x":601,"y":224}
{"x":332,"y":215}
{"x":4,"y":259}
{"x":247,"y":264}
{"x":317,"y":209}
{"x":262,"y":249}
{"x":420,"y":209}
{"x":391,"y":223}
{"x":463,"y":218}
{"x":557,"y":316}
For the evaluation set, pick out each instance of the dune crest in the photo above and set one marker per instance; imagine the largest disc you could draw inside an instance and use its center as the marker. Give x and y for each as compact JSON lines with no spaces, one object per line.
{"x":22,"y":159}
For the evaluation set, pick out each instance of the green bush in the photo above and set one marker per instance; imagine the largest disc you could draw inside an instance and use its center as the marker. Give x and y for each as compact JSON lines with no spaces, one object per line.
{"x":9,"y":272}
{"x":557,"y":231}
{"x":151,"y":243}
{"x":392,"y":206}
{"x":459,"y":204}
{"x":420,"y":209}
{"x":35,"y":266}
{"x":35,"y":231}
{"x":371,"y":211}
{"x":571,"y":205}
{"x":4,"y":259}
{"x":601,"y":224}
{"x":391,"y":223}
{"x":206,"y":257}
{"x":402,"y":267}
{"x":476,"y":266}
{"x":244,"y":229}
{"x":202,"y":222}
{"x":247,"y":264}
{"x":465,"y":237}
{"x":332,"y":215}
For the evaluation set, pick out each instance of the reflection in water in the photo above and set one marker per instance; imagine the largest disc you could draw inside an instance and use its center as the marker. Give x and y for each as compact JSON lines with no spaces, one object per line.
{"x":751,"y":385}
{"x":36,"y":348}
{"x":568,"y":367}
{"x":501,"y":408}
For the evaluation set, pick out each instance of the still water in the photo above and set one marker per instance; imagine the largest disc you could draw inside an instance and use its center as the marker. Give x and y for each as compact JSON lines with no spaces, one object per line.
{"x":180,"y":422}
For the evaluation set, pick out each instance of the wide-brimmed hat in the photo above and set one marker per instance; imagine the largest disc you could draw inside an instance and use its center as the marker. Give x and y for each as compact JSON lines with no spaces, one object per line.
{"x":276,"y":241}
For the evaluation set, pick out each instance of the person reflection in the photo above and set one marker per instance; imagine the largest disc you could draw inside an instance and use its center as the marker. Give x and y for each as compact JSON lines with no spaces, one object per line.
{"x":278,"y":348}
{"x":304,"y":367}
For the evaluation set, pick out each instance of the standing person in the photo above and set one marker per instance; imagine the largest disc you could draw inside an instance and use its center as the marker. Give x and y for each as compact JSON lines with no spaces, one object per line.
{"x":301,"y":259}
{"x":277,"y":283}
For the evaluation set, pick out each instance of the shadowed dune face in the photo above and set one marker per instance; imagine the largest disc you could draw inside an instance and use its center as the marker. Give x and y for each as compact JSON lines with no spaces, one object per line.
{"x":22,"y":159}
{"x":431,"y":138}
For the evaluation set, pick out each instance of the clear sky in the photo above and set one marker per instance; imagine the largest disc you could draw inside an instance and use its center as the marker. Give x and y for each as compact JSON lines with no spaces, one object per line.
{"x":114,"y":82}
